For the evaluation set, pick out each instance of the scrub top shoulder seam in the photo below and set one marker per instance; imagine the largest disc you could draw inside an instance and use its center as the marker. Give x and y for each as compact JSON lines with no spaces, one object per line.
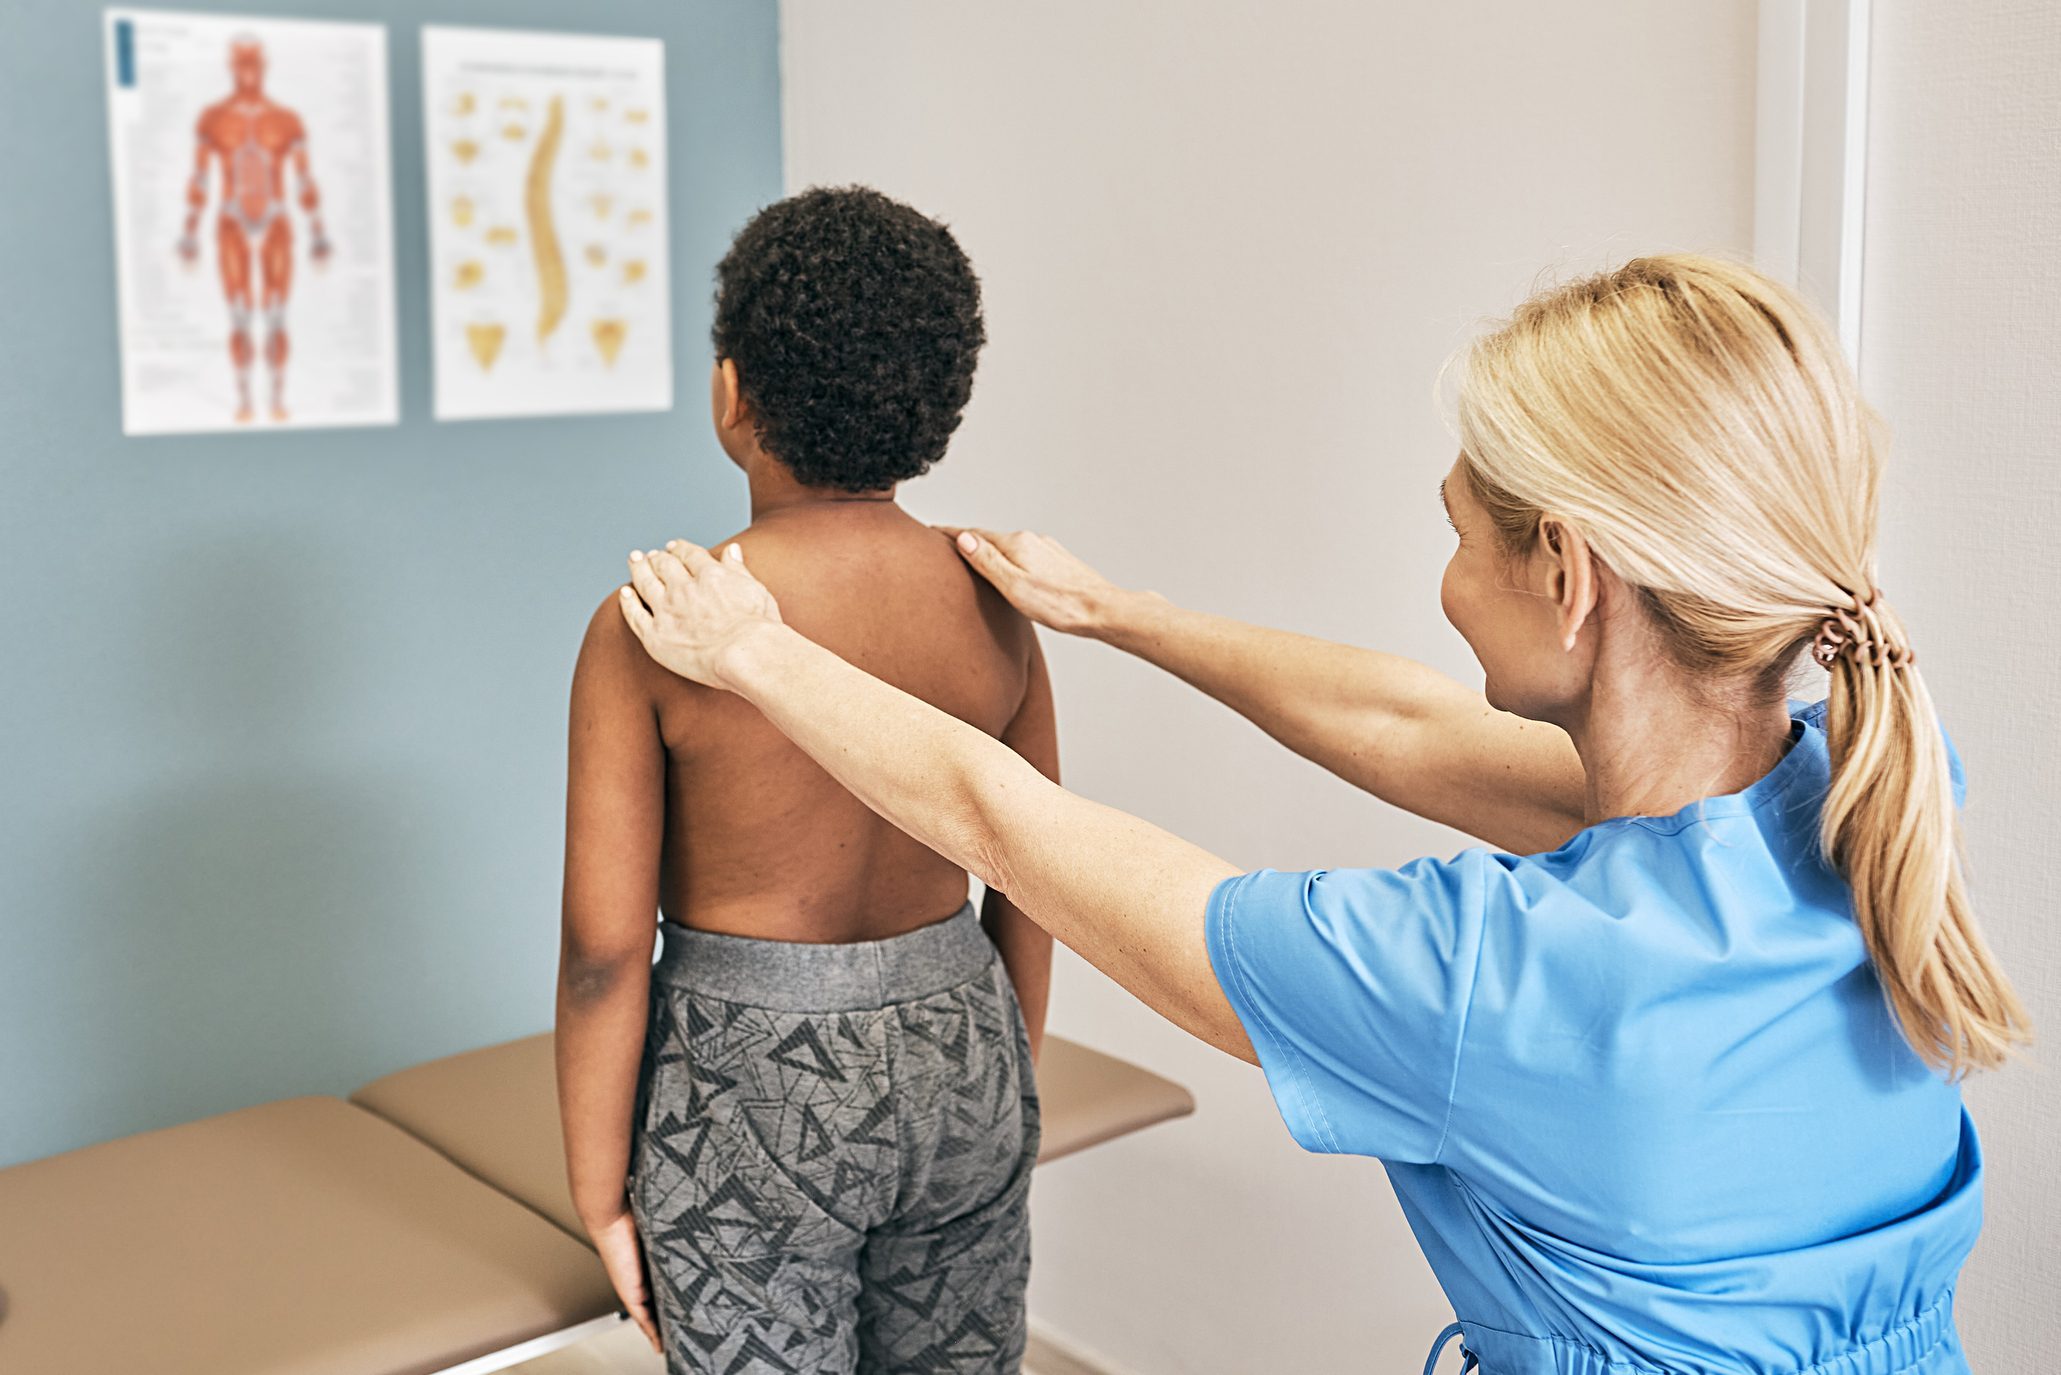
{"x":1312,"y":1102}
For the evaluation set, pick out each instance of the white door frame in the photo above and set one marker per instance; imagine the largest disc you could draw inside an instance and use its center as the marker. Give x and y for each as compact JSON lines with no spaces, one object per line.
{"x":1811,"y":153}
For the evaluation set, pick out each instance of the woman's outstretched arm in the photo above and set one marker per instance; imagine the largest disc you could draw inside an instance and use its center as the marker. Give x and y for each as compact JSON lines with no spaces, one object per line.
{"x":1387,"y":725}
{"x":1126,"y":895}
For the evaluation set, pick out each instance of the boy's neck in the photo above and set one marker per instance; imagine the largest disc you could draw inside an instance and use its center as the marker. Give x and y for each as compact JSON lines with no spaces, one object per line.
{"x":774,"y":489}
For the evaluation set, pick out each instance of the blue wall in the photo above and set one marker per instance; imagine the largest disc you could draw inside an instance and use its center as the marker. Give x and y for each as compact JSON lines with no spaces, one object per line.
{"x":282,"y":718}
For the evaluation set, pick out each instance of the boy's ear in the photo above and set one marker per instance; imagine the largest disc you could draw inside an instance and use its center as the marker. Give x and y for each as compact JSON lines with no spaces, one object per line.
{"x":736,"y":410}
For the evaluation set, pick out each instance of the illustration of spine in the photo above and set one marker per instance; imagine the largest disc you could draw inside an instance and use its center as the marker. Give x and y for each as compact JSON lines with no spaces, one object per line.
{"x":543,"y":234}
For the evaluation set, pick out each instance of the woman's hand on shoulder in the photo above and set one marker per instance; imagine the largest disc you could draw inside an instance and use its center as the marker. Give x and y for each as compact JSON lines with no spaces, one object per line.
{"x":1040,"y":578}
{"x":688,"y":607}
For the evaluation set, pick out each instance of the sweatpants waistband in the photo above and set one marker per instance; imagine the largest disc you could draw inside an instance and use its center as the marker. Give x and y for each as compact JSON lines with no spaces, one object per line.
{"x":802,"y":976}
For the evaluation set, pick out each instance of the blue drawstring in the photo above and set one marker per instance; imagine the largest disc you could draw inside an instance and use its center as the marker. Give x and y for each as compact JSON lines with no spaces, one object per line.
{"x":1439,"y":1346}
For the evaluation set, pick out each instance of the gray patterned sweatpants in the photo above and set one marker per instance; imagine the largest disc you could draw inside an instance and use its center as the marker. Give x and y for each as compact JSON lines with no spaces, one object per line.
{"x":832,"y":1159}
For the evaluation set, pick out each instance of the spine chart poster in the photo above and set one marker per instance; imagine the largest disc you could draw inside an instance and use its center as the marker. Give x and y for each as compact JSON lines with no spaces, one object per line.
{"x":253,"y":222}
{"x":549,"y":284}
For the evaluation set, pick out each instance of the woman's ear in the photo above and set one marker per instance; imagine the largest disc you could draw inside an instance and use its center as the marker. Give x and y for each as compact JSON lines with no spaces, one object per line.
{"x":1571,"y":574}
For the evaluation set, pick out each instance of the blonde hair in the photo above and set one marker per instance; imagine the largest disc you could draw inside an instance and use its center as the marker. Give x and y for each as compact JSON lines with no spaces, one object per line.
{"x":1697,"y":422}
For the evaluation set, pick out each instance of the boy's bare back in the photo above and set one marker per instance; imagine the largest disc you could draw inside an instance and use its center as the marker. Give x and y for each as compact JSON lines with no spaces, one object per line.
{"x":756,"y":839}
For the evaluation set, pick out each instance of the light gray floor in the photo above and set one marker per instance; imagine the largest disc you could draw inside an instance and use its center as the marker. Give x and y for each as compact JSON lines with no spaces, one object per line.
{"x":625,"y":1352}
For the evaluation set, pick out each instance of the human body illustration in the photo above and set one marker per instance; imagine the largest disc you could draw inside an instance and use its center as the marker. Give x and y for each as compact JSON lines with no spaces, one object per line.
{"x":252,"y":137}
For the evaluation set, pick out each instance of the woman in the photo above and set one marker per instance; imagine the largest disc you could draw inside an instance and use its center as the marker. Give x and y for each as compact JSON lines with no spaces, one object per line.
{"x":1670,"y":1083}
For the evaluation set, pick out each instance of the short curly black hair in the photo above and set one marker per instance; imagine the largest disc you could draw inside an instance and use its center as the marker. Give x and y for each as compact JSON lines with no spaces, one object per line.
{"x":855,"y":322}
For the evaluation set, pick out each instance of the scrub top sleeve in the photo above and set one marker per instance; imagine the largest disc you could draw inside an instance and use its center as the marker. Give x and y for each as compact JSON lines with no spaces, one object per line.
{"x":1354,"y":986}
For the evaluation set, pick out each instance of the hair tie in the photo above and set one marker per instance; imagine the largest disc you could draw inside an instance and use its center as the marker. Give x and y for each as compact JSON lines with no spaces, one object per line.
{"x":1858,"y":630}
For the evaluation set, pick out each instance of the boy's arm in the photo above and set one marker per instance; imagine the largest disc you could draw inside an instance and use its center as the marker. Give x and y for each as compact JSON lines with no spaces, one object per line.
{"x":614,"y":823}
{"x":1027,"y":947}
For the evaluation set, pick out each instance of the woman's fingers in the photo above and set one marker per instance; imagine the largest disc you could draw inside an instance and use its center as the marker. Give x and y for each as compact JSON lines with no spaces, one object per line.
{"x":636,"y":613}
{"x":687,"y":607}
{"x":691,"y":555}
{"x":955,"y":533}
{"x":980,"y":549}
{"x":669,"y":569}
{"x":646,"y":580}
{"x":1039,"y":577}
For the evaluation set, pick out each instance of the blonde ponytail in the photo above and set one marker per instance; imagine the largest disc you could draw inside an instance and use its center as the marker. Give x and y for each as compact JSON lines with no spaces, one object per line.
{"x":1699,"y":424}
{"x":1889,"y":826}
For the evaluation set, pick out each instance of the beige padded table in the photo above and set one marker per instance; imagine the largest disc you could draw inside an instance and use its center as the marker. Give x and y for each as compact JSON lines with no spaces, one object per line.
{"x":422,"y":1226}
{"x":305,"y":1235}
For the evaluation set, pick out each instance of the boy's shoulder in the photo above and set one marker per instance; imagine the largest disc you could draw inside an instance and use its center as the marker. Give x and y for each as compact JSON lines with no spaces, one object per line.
{"x":611,"y":654}
{"x":895,"y":598}
{"x":897,"y":567}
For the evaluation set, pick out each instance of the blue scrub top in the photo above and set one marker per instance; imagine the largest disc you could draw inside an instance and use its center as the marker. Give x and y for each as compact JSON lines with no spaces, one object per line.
{"x":1641,"y":1098}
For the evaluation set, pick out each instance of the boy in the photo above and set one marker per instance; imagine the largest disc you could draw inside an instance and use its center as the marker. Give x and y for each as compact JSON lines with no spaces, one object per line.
{"x":821,"y":1097}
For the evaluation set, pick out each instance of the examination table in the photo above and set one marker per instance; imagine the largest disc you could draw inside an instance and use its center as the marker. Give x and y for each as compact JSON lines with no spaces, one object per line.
{"x":421,"y":1225}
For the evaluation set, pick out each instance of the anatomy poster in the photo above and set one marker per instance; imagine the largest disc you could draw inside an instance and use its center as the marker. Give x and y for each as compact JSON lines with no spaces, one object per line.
{"x":253,"y":226}
{"x":547,"y":211}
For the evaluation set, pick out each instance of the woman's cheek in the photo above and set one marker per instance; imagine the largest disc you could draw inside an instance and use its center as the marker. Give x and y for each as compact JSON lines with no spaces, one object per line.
{"x":1461,"y":596}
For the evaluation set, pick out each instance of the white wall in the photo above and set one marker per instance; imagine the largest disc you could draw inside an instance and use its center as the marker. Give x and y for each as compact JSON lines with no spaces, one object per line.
{"x":1225,"y":248}
{"x":1960,"y":348}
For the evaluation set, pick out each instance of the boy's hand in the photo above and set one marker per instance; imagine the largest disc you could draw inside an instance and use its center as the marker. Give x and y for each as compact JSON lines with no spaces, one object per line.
{"x":687,"y":607}
{"x":1039,"y":577}
{"x":622,"y":1256}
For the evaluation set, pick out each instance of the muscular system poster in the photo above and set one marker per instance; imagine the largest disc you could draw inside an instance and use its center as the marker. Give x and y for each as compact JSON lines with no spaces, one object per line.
{"x":546,"y":157}
{"x":253,"y":222}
